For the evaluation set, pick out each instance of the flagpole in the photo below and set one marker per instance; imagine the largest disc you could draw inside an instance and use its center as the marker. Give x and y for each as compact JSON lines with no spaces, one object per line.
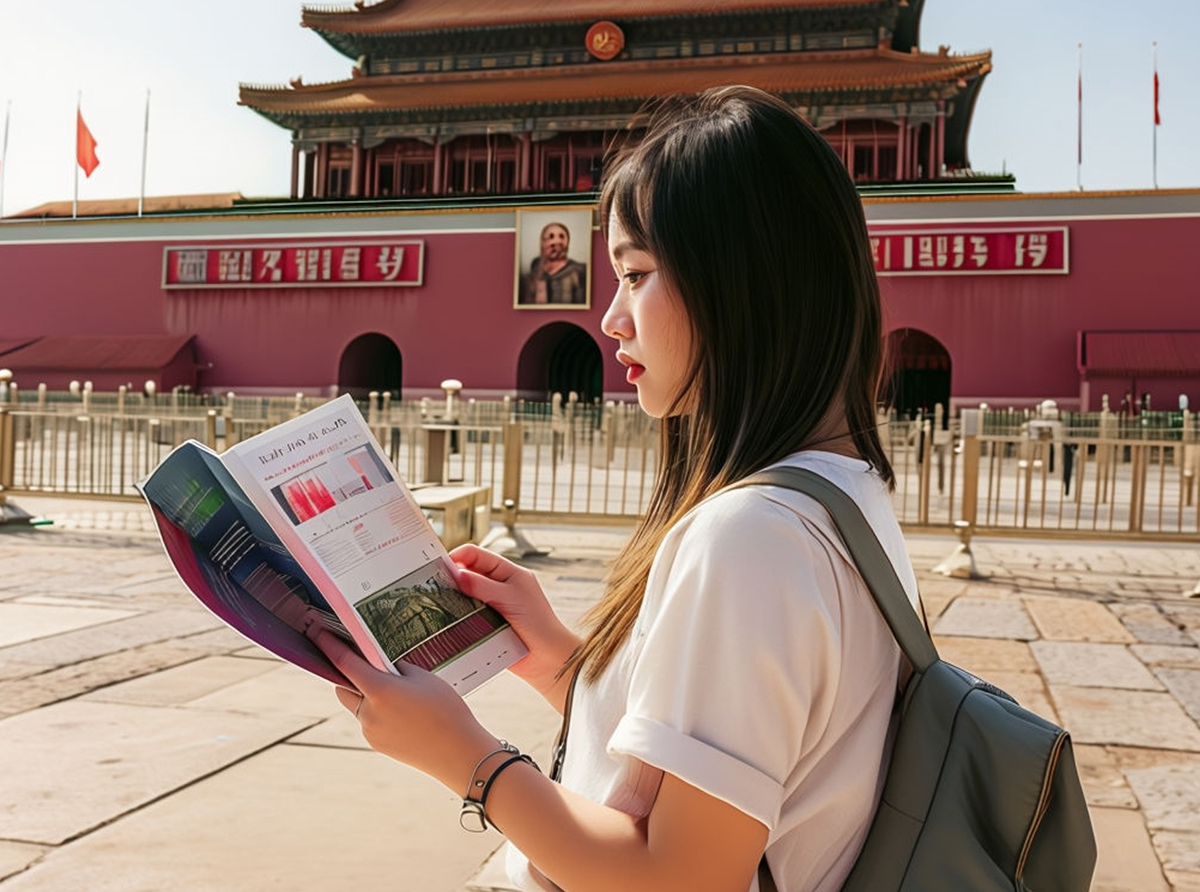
{"x":1154,"y":127}
{"x":145,"y":142}
{"x":1079,"y":127}
{"x":75,"y":164}
{"x":4,"y":156}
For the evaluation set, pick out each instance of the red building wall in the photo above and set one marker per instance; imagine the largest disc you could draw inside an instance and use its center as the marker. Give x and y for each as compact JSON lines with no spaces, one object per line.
{"x":1010,"y":337}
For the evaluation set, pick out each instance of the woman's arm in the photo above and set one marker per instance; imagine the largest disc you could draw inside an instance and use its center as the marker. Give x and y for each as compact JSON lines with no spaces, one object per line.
{"x":689,"y":841}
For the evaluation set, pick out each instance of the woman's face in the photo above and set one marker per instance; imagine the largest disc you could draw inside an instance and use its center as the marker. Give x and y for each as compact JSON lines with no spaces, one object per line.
{"x":648,"y":321}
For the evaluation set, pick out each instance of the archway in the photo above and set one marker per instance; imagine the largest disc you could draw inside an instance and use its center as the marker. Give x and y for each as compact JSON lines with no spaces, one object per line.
{"x":370,"y":362}
{"x":919,"y":372}
{"x":560,"y":358}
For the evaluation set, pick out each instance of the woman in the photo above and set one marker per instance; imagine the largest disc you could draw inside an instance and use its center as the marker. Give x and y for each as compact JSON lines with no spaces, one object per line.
{"x":736,"y":681}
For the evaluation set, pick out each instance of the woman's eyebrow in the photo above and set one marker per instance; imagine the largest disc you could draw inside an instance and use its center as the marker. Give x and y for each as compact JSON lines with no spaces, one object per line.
{"x":623,"y":248}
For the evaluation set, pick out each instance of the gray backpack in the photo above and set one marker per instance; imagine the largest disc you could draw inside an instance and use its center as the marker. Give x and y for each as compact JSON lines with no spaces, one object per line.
{"x":981,"y":794}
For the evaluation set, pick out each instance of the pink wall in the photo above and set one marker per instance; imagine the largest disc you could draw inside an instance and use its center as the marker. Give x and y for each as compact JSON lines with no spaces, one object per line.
{"x":1009,"y":336}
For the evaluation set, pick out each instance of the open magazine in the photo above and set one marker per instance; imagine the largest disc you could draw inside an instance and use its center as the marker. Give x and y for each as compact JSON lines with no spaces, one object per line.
{"x":307,"y":523}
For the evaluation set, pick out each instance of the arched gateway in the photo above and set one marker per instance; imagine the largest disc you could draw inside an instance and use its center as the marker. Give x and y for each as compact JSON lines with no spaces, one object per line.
{"x":370,"y":362}
{"x":560,"y":358}
{"x":919,"y":372}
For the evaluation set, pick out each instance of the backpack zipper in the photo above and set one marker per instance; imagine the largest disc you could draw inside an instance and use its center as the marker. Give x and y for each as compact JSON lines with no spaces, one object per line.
{"x":1043,"y":803}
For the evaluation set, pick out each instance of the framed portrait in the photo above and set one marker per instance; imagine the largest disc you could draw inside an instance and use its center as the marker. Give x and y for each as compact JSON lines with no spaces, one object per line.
{"x":554,"y":252}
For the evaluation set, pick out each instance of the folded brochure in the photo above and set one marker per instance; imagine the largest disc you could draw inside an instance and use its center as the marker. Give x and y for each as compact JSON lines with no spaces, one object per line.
{"x":308,"y":522}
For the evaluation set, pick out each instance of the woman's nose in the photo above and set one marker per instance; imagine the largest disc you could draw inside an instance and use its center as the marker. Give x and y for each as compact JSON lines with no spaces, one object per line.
{"x":617,"y":323}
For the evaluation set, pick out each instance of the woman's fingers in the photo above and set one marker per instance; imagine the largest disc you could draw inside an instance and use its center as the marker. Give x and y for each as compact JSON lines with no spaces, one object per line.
{"x":484,"y":562}
{"x":358,"y":671}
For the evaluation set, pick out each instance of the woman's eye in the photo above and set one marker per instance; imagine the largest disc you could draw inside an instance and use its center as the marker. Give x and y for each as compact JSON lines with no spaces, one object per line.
{"x":634,"y":277}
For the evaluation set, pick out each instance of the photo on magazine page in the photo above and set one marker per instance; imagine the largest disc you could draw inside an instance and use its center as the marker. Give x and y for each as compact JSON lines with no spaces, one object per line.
{"x":423,"y":619}
{"x":233,"y":563}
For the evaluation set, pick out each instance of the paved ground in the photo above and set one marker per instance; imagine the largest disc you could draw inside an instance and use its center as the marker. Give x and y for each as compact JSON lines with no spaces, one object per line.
{"x":144,"y":748}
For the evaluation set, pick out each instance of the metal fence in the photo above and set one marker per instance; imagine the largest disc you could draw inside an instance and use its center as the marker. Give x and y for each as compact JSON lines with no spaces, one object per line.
{"x":1010,"y":472}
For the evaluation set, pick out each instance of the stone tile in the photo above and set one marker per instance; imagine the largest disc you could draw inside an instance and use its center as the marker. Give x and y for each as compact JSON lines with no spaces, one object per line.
{"x":65,"y":682}
{"x":16,"y":856}
{"x":182,"y":684}
{"x":493,"y":876}
{"x":281,"y":690}
{"x":1126,"y":718}
{"x":1185,"y":685}
{"x":935,"y":605}
{"x":1125,"y":857}
{"x":1147,"y":623}
{"x":381,"y":827}
{"x":1073,"y":619}
{"x":1092,"y":665}
{"x":1168,"y":795}
{"x":1185,"y":657}
{"x":986,"y":618}
{"x":984,"y":656}
{"x":68,"y":768}
{"x":87,"y":644}
{"x":1178,"y":850}
{"x":221,"y":640}
{"x":1103,"y":782}
{"x":1183,"y":881}
{"x":1028,"y":689}
{"x":340,"y":731}
{"x":26,"y":622}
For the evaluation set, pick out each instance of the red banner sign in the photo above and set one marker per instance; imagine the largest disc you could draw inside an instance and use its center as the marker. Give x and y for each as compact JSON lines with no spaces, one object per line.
{"x":971,"y":252}
{"x":394,"y":262}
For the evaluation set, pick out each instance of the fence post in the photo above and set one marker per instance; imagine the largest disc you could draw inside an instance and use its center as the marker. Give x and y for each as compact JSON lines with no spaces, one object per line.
{"x":961,"y":562}
{"x":510,"y":541}
{"x":7,"y":451}
{"x":230,"y":431}
{"x":926,"y":468}
{"x":1137,"y":485}
{"x":210,"y":429}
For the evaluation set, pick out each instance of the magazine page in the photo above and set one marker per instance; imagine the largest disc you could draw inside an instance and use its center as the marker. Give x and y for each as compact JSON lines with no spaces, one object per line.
{"x":329,"y":491}
{"x":232,"y":561}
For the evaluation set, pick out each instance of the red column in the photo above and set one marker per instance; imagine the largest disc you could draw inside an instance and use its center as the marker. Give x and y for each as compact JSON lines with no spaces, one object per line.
{"x":295,"y":170}
{"x":438,"y":152}
{"x":930,"y":170}
{"x":524,"y":150}
{"x":356,"y":166}
{"x":322,"y":170}
{"x":941,"y":137}
{"x":901,"y":145}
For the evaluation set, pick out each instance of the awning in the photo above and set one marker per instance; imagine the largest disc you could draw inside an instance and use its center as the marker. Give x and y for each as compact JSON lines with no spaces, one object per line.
{"x":97,"y":353}
{"x":7,"y":346}
{"x":1139,"y":354}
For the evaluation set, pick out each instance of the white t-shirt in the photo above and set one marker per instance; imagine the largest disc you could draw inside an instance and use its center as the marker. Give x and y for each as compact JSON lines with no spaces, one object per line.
{"x":760,"y":671}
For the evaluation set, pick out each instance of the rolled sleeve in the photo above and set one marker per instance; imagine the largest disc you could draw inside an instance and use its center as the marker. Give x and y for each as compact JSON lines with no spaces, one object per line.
{"x":704,"y":767}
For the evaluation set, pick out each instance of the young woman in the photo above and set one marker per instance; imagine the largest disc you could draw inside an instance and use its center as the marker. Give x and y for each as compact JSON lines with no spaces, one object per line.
{"x":735,"y":681}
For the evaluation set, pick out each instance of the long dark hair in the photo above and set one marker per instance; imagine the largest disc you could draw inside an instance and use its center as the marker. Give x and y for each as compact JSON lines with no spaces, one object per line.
{"x":755,"y":224}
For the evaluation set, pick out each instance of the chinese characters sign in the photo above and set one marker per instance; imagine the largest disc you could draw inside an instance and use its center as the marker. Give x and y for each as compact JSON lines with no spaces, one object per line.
{"x":979,"y":252}
{"x":393,"y":262}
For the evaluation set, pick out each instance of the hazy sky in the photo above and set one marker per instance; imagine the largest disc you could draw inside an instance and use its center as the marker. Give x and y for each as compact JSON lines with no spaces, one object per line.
{"x":193,"y":57}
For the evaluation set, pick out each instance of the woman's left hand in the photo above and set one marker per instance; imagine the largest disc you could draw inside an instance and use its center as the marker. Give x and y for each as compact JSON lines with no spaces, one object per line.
{"x":415,"y":717}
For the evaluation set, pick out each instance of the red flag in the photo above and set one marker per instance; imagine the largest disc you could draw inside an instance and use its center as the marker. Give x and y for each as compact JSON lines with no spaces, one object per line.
{"x":1157,"y":119}
{"x":85,"y":146}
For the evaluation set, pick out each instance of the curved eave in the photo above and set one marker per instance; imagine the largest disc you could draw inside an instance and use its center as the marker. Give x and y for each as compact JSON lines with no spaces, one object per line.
{"x":958,"y":126}
{"x":395,"y":17}
{"x":793,"y":74}
{"x":908,"y":26}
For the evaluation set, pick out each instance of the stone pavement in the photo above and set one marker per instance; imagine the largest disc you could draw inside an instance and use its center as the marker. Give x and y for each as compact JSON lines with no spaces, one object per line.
{"x":145,"y":748}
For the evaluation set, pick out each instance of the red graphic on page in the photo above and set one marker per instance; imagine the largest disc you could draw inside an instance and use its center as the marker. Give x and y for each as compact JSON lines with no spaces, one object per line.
{"x":315,"y":491}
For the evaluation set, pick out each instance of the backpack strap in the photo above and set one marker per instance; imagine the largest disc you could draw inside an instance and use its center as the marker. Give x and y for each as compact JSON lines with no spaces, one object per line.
{"x":872,"y":561}
{"x":873,"y":565}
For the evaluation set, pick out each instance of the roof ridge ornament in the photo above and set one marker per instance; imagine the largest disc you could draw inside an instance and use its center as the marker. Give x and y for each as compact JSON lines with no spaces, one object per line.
{"x":605,"y":40}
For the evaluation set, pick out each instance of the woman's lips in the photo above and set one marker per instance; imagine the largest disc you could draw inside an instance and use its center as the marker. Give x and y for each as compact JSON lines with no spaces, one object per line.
{"x":634,"y":372}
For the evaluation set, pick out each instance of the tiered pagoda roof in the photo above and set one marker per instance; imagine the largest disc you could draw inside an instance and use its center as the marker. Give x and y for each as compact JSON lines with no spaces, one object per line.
{"x":793,"y":75}
{"x":414,"y":16}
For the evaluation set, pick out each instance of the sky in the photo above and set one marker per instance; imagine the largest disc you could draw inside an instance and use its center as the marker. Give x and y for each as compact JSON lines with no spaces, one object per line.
{"x":192,"y":59}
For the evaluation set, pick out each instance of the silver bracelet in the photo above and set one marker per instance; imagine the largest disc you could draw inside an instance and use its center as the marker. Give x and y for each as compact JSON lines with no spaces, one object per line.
{"x":471,"y":816}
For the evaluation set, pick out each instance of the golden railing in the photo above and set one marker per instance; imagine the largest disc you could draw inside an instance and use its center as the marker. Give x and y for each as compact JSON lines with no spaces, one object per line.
{"x":587,"y":462}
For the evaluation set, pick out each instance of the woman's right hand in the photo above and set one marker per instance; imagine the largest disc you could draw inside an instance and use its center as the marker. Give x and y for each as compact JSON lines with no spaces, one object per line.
{"x":517,"y":595}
